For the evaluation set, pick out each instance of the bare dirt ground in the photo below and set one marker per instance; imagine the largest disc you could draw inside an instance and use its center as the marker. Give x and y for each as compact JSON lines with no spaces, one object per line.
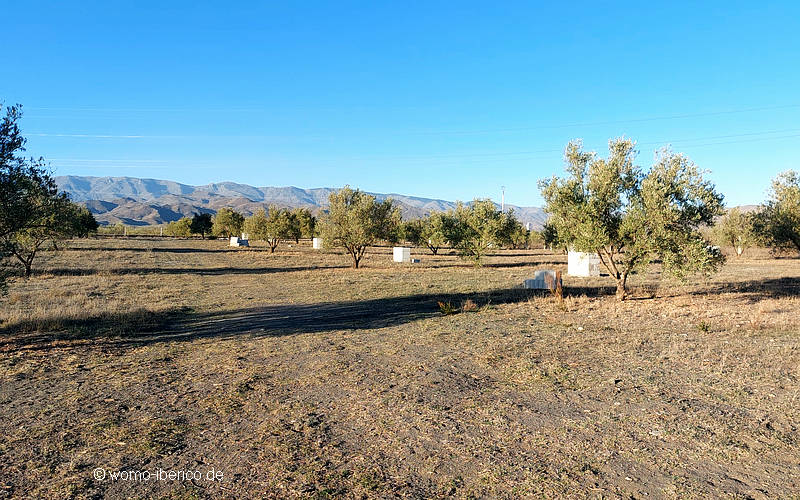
{"x":295,"y":376}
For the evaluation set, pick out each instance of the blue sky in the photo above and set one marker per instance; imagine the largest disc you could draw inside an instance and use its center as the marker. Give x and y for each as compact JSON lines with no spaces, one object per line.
{"x":439,"y":99}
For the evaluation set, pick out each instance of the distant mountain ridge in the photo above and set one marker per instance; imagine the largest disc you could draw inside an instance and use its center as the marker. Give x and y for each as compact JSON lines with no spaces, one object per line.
{"x":135,"y":201}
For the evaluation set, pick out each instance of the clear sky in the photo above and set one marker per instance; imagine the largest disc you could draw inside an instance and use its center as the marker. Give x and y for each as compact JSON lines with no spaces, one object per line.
{"x":438,"y":99}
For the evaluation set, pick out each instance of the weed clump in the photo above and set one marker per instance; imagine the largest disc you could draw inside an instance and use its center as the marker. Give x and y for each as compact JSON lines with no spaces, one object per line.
{"x":447,"y":308}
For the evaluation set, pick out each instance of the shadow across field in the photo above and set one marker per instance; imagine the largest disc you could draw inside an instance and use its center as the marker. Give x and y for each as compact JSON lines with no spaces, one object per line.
{"x":757,"y":290}
{"x":168,"y":249}
{"x":207,"y":271}
{"x":141,"y":327}
{"x":753,"y":290}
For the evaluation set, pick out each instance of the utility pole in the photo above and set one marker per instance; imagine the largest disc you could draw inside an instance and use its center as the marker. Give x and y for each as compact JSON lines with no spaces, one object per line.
{"x":503,"y":199}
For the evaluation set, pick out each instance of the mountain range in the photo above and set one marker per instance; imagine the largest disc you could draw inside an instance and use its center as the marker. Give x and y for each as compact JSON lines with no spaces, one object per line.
{"x":134,"y":201}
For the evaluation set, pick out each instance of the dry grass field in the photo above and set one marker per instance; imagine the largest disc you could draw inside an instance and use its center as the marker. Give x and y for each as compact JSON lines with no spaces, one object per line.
{"x":295,"y":376}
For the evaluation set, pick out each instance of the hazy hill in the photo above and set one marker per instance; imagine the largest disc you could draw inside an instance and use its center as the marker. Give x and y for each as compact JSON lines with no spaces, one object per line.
{"x":134,"y":201}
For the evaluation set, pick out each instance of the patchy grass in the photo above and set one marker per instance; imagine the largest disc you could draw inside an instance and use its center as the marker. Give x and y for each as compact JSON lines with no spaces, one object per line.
{"x":299,"y":377}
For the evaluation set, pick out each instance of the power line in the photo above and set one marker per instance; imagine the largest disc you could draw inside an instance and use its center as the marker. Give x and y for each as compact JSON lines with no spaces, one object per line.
{"x":612,"y":122}
{"x":443,"y":159}
{"x":422,"y":132}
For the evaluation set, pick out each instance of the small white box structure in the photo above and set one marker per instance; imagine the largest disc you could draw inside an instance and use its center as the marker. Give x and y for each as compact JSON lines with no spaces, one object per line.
{"x":401,"y":254}
{"x":583,"y":264}
{"x":239,"y":242}
{"x":245,"y":236}
{"x":316,"y":243}
{"x":542,"y":280}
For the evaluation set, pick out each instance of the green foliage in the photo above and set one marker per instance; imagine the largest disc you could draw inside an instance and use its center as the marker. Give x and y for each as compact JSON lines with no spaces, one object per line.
{"x":535,"y":239}
{"x":257,"y":226}
{"x":734,"y":229}
{"x":411,"y":231}
{"x":549,"y":237}
{"x":27,"y":190}
{"x":306,"y":222}
{"x":32,"y":210}
{"x":447,"y":308}
{"x":436,"y":229}
{"x":84,"y":222}
{"x":356,"y":220}
{"x":293,"y":225}
{"x":227,"y":223}
{"x":65,"y":220}
{"x":179,"y":228}
{"x":201,"y":224}
{"x":271,"y":227}
{"x":777,"y":223}
{"x":117,"y":229}
{"x":520,"y":237}
{"x":478,"y":227}
{"x":628,"y":217}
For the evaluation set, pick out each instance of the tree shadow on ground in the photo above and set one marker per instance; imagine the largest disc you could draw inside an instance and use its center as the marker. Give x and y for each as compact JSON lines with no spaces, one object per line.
{"x":499,"y":265}
{"x":172,"y":250}
{"x":753,"y":290}
{"x":756,"y":290}
{"x":208,"y":271}
{"x":524,"y":264}
{"x":141,"y":327}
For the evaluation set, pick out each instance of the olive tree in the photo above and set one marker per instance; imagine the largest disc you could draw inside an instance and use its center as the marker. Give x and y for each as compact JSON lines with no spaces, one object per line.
{"x":201,"y":224}
{"x":411,"y":231}
{"x":630,"y":217}
{"x":734,"y":229}
{"x":436,"y":229}
{"x":520,"y":237}
{"x":306,"y":223}
{"x":28,"y":193}
{"x":65,"y":220}
{"x":550,"y":238}
{"x":535,"y":238}
{"x":181,"y":227}
{"x":355,"y":220}
{"x":270,"y":226}
{"x":478,"y":227}
{"x":27,"y":190}
{"x":777,"y":222}
{"x":227,"y":222}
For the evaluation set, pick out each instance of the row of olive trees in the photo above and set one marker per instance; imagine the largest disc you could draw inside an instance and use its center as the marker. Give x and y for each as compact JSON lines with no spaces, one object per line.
{"x":775,"y":224}
{"x":356,"y":220}
{"x":32,"y":210}
{"x":281,"y":224}
{"x":471,"y":229}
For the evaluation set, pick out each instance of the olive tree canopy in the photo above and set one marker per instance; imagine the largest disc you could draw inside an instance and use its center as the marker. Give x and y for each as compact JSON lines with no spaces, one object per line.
{"x":201,"y":224}
{"x":271,"y":226}
{"x":356,"y":220}
{"x":630,"y":217}
{"x":478,"y":227}
{"x":32,"y":210}
{"x":777,"y":222}
{"x":227,"y":222}
{"x":734,"y":229}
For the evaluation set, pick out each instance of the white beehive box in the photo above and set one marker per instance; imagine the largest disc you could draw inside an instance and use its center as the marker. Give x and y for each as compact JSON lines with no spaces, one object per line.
{"x":316,"y":243}
{"x":401,"y":254}
{"x":583,"y":264}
